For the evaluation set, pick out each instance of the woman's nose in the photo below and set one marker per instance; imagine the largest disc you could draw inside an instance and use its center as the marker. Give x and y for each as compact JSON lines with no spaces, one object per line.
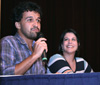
{"x":69,"y":41}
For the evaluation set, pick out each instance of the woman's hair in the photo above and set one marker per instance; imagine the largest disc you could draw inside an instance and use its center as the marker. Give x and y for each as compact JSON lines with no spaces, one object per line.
{"x":62,"y":38}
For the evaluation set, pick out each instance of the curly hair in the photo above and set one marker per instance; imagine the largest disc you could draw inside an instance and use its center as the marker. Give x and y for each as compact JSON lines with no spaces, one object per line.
{"x":17,"y":13}
{"x":22,"y":7}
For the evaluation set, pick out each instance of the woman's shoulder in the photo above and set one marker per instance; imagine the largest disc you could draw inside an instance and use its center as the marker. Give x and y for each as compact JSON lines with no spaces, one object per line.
{"x":79,"y":59}
{"x":55,"y":58}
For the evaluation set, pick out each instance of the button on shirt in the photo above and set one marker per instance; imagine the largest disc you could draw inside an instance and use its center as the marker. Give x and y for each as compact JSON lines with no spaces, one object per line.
{"x":13,"y":51}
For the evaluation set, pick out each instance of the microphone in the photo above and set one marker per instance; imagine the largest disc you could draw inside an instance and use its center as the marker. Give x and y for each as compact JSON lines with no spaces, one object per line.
{"x":44,"y":56}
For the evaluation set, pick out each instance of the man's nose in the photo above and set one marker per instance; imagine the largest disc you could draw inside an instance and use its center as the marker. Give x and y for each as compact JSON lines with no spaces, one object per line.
{"x":35,"y":23}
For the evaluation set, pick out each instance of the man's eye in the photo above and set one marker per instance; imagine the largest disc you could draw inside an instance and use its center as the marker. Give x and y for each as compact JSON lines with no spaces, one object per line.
{"x":39,"y":20}
{"x":29,"y":20}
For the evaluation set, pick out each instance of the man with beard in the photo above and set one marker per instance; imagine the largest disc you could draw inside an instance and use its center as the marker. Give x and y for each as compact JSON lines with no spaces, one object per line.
{"x":21,"y":54}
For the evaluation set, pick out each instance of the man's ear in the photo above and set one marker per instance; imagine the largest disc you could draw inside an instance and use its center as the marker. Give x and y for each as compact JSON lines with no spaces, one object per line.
{"x":79,"y":44}
{"x":17,"y":25}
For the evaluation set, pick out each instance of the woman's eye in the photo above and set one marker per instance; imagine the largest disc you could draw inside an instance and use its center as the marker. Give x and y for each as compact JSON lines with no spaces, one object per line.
{"x":73,"y":39}
{"x":66,"y":39}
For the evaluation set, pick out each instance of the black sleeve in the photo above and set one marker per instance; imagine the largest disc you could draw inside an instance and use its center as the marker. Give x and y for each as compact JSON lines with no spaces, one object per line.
{"x":57,"y":65}
{"x":88,"y":69}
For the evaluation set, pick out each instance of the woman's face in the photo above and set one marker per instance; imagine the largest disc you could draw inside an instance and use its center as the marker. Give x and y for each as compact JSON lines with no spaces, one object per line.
{"x":70,"y":44}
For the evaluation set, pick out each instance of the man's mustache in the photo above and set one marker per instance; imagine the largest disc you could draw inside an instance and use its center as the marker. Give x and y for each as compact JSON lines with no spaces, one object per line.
{"x":35,"y":27}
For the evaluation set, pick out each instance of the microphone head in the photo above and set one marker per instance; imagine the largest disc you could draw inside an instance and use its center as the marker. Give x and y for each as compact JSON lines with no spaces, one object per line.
{"x":39,"y":35}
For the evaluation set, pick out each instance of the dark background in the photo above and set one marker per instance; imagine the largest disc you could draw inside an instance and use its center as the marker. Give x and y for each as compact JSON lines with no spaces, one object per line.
{"x":58,"y":15}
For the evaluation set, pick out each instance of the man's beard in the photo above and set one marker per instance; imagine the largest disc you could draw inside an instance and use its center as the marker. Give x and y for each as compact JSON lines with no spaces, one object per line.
{"x":30,"y":35}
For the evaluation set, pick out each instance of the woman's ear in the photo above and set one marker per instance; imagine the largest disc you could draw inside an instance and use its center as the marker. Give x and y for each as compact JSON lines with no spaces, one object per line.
{"x":17,"y":25}
{"x":62,"y":47}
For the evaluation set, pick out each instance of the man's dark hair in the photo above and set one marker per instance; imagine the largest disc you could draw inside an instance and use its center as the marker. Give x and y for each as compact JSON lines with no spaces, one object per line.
{"x":22,"y":7}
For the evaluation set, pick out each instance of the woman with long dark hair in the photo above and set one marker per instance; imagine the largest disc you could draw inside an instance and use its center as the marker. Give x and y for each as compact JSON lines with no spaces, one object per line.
{"x":67,"y":61}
